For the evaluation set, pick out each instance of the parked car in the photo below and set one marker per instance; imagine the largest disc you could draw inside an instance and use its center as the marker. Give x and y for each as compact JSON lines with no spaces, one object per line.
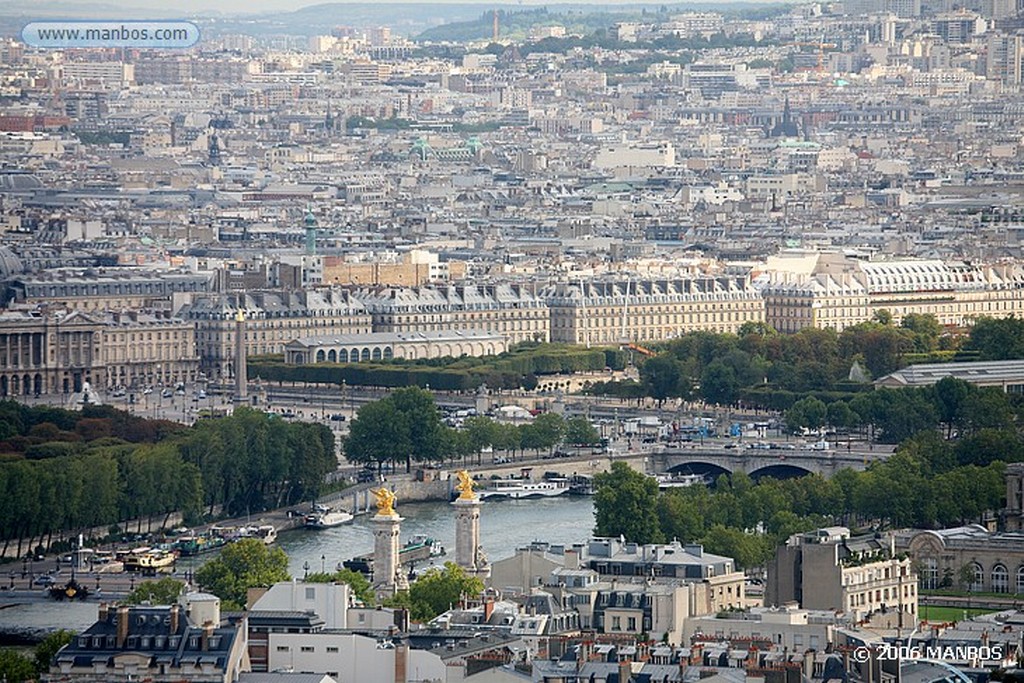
{"x":44,"y":580}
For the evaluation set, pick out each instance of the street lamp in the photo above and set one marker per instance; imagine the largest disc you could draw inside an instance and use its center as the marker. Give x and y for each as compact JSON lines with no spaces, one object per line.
{"x":323,"y":563}
{"x":305,"y":569}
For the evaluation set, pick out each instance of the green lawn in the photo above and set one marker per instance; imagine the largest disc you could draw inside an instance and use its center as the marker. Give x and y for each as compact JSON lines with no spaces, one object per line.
{"x":932,"y":613}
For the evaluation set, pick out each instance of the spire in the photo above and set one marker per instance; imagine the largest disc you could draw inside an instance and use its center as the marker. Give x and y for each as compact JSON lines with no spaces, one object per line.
{"x":213,"y":150}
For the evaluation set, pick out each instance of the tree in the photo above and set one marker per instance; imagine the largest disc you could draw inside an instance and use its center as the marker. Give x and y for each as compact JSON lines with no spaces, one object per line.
{"x":419,"y":413}
{"x":951,"y":395}
{"x":162,"y":592}
{"x":544,"y":432}
{"x":718,"y":383}
{"x":965,"y":577}
{"x":662,"y":376}
{"x":749,"y":550}
{"x":377,"y":434}
{"x":807,"y":412}
{"x":926,"y":329}
{"x":841,"y":416}
{"x":988,"y":446}
{"x":15,"y":667}
{"x":49,"y":647}
{"x":680,"y":513}
{"x":997,"y":338}
{"x":482,"y":432}
{"x":626,"y":504}
{"x":357,"y":581}
{"x":438,"y":590}
{"x":579,"y":432}
{"x":245,"y":564}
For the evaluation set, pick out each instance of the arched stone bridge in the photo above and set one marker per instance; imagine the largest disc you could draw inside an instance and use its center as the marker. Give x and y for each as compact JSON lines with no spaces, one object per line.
{"x":759,"y":462}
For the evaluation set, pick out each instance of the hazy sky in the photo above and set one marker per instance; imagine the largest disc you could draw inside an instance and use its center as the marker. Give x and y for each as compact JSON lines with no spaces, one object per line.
{"x":232,"y":6}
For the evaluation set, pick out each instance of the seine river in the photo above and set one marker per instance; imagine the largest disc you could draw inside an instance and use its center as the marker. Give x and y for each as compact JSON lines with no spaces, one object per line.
{"x":504,"y":526}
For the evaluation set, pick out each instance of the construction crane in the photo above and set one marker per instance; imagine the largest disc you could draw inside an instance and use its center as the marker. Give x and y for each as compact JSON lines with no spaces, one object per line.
{"x":640,"y":350}
{"x":821,"y":45}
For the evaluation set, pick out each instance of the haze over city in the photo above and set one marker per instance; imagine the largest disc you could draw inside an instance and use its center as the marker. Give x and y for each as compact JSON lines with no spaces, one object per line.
{"x":523,"y":343}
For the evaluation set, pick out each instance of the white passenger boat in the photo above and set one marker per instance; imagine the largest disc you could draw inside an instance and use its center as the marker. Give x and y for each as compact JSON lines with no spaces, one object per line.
{"x":327,"y":519}
{"x":675,"y":481}
{"x":527,"y":488}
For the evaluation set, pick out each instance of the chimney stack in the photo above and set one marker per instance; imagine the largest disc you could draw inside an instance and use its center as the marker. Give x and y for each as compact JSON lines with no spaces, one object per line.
{"x":104,"y":612}
{"x":488,"y":609}
{"x":401,"y":661}
{"x":175,"y":616}
{"x":207,"y":632}
{"x":122,"y":626}
{"x":625,"y":671}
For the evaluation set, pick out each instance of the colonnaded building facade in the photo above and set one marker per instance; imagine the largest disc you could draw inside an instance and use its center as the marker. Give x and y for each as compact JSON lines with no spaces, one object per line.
{"x":377,"y":346}
{"x":272,"y":320}
{"x":832,"y":290}
{"x":58,"y":353}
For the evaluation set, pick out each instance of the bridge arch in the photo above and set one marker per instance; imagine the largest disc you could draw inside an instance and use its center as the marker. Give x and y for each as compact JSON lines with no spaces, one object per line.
{"x":780,"y":471}
{"x":707,"y":470}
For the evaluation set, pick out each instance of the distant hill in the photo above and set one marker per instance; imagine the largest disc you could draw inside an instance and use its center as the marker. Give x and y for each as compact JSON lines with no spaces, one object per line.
{"x":582,"y":19}
{"x":435,"y":21}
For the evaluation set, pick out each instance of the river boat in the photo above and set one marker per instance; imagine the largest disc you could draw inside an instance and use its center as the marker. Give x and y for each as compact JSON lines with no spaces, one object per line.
{"x":327,"y":519}
{"x":527,"y":488}
{"x":677,"y":481}
{"x":188,"y":546}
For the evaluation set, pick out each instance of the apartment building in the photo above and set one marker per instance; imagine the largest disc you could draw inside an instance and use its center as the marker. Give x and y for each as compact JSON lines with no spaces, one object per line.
{"x":828,"y":569}
{"x":99,"y":290}
{"x":155,"y":643}
{"x":513,"y":311}
{"x":272,"y":319}
{"x":609,"y":312}
{"x":414,"y":269}
{"x":627,"y":588}
{"x":837,"y":291}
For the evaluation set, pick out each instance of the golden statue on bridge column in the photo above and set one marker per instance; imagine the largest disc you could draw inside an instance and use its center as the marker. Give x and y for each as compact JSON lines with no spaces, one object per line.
{"x":385,"y":501}
{"x":465,"y":486}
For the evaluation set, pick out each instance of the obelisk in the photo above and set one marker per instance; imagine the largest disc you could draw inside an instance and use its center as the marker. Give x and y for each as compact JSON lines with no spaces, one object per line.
{"x":241,"y":373}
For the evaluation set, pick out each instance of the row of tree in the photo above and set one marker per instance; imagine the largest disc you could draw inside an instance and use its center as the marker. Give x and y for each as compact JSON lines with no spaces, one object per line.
{"x":757,"y":362}
{"x":61,"y":481}
{"x":919,"y":486}
{"x":961,"y":410}
{"x":406,"y":426}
